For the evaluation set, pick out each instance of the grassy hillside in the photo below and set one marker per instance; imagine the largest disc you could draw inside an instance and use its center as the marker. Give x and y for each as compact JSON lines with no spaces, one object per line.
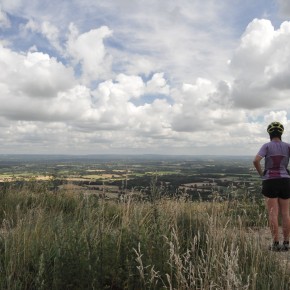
{"x":69,"y":241}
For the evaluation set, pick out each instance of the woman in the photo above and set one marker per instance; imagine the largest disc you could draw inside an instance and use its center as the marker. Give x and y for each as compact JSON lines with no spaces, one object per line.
{"x":276,"y":183}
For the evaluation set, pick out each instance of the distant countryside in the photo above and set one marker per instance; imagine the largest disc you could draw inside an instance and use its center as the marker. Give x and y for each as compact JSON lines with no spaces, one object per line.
{"x":117,"y":177}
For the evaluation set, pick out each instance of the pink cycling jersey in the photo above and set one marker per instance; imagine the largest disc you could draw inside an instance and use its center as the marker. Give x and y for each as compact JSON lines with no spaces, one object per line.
{"x":276,"y":155}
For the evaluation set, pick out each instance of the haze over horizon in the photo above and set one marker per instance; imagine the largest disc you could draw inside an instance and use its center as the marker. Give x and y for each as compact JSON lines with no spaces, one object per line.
{"x":142,"y":77}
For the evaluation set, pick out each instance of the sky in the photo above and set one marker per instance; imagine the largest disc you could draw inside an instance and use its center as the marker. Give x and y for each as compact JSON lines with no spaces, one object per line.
{"x":186,"y":77}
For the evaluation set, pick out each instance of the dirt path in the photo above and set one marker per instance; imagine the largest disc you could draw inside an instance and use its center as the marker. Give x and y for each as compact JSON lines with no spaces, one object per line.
{"x":263,"y":236}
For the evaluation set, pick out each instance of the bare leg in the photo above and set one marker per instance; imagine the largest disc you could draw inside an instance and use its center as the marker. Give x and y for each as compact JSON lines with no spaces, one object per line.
{"x":284,"y":209}
{"x":273,"y":211}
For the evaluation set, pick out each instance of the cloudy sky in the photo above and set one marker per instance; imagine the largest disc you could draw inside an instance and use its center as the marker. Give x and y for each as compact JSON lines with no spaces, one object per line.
{"x":143,"y":76}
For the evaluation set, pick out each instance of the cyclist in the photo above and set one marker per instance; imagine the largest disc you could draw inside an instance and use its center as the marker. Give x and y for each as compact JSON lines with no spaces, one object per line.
{"x":276,"y":183}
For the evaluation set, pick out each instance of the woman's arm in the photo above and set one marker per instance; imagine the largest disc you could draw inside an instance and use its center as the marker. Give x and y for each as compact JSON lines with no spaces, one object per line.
{"x":257,"y":164}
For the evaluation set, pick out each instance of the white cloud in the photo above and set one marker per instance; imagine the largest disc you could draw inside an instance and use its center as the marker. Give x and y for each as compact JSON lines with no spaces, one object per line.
{"x":89,"y":50}
{"x":120,"y":91}
{"x":34,"y":86}
{"x":254,"y":49}
{"x":203,"y":107}
{"x":112,"y":107}
{"x":157,"y":84}
{"x":131,"y":76}
{"x":34,"y":75}
{"x":280,"y":116}
{"x":260,"y":66}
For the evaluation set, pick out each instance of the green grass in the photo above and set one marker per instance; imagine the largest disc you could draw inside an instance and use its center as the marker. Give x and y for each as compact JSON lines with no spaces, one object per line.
{"x":67,"y":241}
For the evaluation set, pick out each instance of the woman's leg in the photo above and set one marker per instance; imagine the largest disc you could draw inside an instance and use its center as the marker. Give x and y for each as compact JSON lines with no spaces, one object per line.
{"x":284,"y":210}
{"x":273,"y":211}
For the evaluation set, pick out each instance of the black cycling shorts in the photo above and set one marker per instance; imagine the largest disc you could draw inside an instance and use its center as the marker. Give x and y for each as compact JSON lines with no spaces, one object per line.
{"x":279,"y":187}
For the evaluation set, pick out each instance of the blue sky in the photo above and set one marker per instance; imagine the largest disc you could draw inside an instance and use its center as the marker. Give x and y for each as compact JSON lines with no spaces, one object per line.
{"x":168,"y":77}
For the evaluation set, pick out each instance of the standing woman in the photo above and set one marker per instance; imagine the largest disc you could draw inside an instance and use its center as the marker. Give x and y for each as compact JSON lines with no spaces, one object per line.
{"x":276,"y":183}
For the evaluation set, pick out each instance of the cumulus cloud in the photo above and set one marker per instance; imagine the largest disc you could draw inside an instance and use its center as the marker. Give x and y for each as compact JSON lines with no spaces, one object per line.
{"x":158,"y":84}
{"x":110,"y":80}
{"x":260,"y":66}
{"x":118,"y":92}
{"x":204,"y":106}
{"x":279,"y":116}
{"x":34,"y":74}
{"x":112,"y":102}
{"x":34,"y":86}
{"x":88,"y":49}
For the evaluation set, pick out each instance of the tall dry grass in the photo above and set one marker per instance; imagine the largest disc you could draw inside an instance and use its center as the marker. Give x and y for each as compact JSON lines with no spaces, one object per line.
{"x":69,"y":241}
